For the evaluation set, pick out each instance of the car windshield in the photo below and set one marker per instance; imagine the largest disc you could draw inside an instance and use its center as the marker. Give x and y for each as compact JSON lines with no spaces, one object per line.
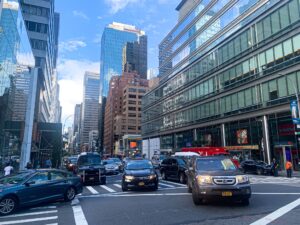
{"x":89,"y":160}
{"x":116,"y":160}
{"x":215,"y":165}
{"x":180,"y":161}
{"x":15,"y":179}
{"x":73,"y":160}
{"x":139,"y":165}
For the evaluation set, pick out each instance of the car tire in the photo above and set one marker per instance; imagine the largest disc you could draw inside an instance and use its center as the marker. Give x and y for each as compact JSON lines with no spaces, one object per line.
{"x":103,"y":181}
{"x":11,"y":205}
{"x":163,"y":176}
{"x":182,"y":178}
{"x":189,"y":188}
{"x":196,"y":199}
{"x":70,"y":194}
{"x":259,"y":171}
{"x":124,"y":187}
{"x":245,"y":202}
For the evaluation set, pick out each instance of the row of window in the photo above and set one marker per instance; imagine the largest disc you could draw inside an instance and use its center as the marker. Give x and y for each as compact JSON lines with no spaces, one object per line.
{"x":35,"y":10}
{"x":37,"y":27}
{"x":210,"y":62}
{"x":260,"y":96}
{"x":236,"y":75}
{"x":38,"y":44}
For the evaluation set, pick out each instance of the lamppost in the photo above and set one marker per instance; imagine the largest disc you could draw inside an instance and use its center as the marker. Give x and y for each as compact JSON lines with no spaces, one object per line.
{"x":63,"y":131}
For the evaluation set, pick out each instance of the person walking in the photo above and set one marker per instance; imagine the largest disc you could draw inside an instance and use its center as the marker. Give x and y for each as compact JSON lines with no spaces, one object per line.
{"x":8,"y":169}
{"x":288,"y":167}
{"x":48,"y":163}
{"x":274,"y":167}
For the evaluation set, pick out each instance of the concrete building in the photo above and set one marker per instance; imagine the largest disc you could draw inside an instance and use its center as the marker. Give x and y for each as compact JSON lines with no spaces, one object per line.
{"x":76,"y":123}
{"x":42,"y":24}
{"x":93,"y":139}
{"x":90,"y":107}
{"x":123,"y":108}
{"x":228,"y":72}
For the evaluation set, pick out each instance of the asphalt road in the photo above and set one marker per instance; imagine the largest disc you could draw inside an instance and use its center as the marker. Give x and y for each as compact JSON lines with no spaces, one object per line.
{"x":274,"y":199}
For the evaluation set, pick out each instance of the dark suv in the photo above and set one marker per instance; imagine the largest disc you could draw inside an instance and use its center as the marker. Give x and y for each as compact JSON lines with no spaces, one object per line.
{"x":217,"y":177}
{"x":90,"y":169}
{"x":173,"y":168}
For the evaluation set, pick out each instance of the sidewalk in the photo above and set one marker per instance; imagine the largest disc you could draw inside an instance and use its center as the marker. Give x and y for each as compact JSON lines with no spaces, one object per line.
{"x":282,"y":173}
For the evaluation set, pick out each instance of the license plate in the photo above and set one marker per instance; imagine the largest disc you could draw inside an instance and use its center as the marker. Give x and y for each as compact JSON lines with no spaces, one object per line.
{"x":141,"y":183}
{"x":91,"y":178}
{"x":226,"y":193}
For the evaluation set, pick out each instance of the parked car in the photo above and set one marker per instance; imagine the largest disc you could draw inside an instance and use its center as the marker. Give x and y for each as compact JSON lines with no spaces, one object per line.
{"x":139,"y":174}
{"x":110,"y":166}
{"x":32,"y":187}
{"x":258,"y":167}
{"x":173,"y":168}
{"x":90,"y":169}
{"x":217,"y":178}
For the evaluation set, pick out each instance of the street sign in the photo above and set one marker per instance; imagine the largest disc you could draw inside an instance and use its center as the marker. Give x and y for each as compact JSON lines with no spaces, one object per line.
{"x":297,"y":133}
{"x":296,"y":121}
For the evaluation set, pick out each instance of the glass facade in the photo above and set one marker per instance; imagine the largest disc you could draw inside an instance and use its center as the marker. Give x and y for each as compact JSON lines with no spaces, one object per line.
{"x":113,"y":40}
{"x":243,"y":65}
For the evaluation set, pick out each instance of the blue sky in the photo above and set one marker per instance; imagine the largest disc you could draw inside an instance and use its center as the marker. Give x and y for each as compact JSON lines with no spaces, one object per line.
{"x":81,"y":25}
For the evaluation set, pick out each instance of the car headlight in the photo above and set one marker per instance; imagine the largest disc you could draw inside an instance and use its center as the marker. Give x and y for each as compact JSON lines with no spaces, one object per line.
{"x":204,"y":180}
{"x":153,"y":176}
{"x":241,"y":179}
{"x":129,"y":178}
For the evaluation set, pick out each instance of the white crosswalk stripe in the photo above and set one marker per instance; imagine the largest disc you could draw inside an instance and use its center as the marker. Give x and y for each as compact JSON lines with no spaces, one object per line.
{"x":166,"y":185}
{"x":107,"y":188}
{"x":273,"y":180}
{"x":44,"y":215}
{"x":118,"y":185}
{"x":92,"y":190}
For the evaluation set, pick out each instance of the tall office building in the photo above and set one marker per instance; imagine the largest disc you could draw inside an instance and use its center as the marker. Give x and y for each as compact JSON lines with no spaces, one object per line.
{"x":135,"y":57}
{"x":90,"y":107}
{"x":114,"y":38}
{"x":76,"y":123}
{"x":228,"y":71}
{"x":42,"y":24}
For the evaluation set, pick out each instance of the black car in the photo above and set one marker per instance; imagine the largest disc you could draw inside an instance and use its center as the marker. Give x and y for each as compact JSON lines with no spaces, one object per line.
{"x":90,"y":169}
{"x":139,"y":174}
{"x":173,"y":168}
{"x":258,"y":167}
{"x":217,"y":178}
{"x":32,"y":187}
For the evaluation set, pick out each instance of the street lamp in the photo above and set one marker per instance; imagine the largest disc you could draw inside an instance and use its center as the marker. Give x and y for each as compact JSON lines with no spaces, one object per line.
{"x":63,"y":130}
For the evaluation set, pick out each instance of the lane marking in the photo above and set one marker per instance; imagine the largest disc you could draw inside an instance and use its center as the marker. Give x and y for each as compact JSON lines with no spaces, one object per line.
{"x":30,"y":214}
{"x":107,"y":188}
{"x":278,"y":213}
{"x":118,"y":185}
{"x":137,"y":195}
{"x":28,"y":220}
{"x":92,"y":190}
{"x":44,"y":207}
{"x":170,"y":182}
{"x":78,"y":213}
{"x":166,"y":185}
{"x":52,"y":224}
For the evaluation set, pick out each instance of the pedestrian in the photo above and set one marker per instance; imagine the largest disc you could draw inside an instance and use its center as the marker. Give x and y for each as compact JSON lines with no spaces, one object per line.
{"x":8,"y":169}
{"x":274,"y":167}
{"x":29,"y":166}
{"x":48,"y":163}
{"x":288,"y":167}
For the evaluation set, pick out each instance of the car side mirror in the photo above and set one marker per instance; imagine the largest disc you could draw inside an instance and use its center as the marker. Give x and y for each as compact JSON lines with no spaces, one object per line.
{"x":27,"y":184}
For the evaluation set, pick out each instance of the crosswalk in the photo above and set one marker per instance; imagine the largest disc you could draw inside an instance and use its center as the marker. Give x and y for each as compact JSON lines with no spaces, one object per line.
{"x":47,"y":215}
{"x":255,"y":179}
{"x":116,"y":188}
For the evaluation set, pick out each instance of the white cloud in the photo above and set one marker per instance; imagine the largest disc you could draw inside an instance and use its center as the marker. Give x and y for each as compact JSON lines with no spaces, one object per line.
{"x":71,"y":45}
{"x":97,"y":39}
{"x":80,"y":14}
{"x":117,"y":5}
{"x":71,"y":73}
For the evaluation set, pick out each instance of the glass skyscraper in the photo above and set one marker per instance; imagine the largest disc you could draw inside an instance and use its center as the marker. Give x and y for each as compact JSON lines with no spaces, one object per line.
{"x":228,"y":71}
{"x":114,"y":38}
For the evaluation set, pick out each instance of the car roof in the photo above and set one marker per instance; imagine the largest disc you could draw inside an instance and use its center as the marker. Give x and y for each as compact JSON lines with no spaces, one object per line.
{"x":89,"y":153}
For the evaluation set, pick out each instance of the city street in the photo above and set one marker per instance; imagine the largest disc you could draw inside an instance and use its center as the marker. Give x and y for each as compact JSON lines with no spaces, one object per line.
{"x":171,"y":204}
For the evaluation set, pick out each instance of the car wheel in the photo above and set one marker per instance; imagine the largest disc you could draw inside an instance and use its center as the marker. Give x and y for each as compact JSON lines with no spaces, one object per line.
{"x":8,"y":205}
{"x":182,"y":179}
{"x":259,"y":171}
{"x":164,"y":176}
{"x":70,"y":194}
{"x":103,"y":181}
{"x":196,"y":199}
{"x":245,"y":202}
{"x":124,"y":187}
{"x":244,"y":170}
